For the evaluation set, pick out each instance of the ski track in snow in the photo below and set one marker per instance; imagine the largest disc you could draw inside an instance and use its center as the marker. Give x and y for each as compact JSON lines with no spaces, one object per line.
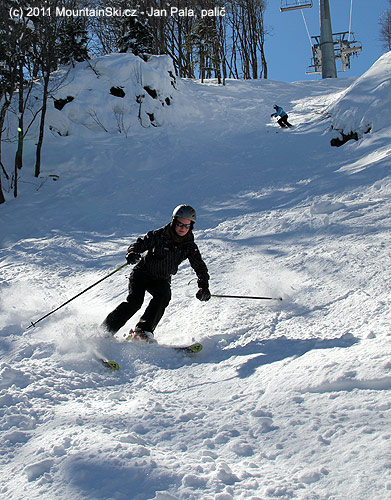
{"x":288,"y":399}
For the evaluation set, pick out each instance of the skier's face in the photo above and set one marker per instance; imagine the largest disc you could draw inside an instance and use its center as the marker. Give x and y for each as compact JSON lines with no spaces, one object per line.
{"x":182,"y":226}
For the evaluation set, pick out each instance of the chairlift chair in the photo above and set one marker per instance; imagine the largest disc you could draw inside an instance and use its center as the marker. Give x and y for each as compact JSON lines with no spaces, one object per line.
{"x":295,"y":4}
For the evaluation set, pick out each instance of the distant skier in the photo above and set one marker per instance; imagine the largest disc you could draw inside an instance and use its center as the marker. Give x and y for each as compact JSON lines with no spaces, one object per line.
{"x":283,"y":120}
{"x":165,"y":249}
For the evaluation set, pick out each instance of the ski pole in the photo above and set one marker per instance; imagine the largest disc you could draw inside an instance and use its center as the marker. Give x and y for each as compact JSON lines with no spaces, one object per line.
{"x":33,"y":323}
{"x":246,"y":297}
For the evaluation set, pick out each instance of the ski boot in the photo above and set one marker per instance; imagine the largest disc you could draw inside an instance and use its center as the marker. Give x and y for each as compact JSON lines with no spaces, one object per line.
{"x":139,"y":334}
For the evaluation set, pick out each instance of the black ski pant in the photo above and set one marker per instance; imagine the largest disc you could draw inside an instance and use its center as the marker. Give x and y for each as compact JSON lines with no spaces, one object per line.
{"x":283,"y":122}
{"x":139,"y":283}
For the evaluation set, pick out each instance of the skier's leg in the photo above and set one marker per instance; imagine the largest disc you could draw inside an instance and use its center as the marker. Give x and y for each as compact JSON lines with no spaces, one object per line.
{"x":161,"y":296}
{"x":281,"y":123}
{"x":122,"y":313}
{"x":117,"y":318}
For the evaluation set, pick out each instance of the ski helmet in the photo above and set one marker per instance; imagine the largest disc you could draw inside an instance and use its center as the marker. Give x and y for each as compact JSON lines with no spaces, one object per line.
{"x":275,"y":106}
{"x":184,"y":211}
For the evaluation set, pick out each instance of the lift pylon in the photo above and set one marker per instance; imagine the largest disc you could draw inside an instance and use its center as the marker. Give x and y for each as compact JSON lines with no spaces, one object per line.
{"x":295,"y":4}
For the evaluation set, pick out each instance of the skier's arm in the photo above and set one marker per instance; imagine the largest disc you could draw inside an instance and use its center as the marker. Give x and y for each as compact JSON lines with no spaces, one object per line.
{"x":198,"y":265}
{"x":201,"y":271}
{"x":141,"y":245}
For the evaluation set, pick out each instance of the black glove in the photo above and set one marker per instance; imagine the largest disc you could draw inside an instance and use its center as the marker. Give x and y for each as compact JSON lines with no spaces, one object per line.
{"x":203,"y":294}
{"x":132,"y":257}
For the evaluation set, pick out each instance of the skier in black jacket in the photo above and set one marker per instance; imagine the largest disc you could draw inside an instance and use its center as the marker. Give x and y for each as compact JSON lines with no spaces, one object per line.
{"x":165,"y":249}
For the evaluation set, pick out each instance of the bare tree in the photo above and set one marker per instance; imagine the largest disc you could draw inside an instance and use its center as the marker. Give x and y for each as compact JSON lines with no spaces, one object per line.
{"x":179,"y":43}
{"x":248,"y":36}
{"x":46,"y":55}
{"x":227,"y":40}
{"x":8,"y":36}
{"x":23,"y":64}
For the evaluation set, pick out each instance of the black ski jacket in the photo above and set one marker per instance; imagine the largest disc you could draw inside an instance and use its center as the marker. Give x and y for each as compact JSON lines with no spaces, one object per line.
{"x":165,"y":252}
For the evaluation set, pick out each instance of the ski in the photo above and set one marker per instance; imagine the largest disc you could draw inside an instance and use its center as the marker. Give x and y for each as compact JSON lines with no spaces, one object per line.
{"x":112,"y":365}
{"x":191,"y":349}
{"x":187,"y":349}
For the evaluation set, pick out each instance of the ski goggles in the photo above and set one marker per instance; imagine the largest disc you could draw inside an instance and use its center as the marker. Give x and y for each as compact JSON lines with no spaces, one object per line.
{"x":180,"y":224}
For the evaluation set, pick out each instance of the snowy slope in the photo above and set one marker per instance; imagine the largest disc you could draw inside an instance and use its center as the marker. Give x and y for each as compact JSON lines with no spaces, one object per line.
{"x":288,"y":400}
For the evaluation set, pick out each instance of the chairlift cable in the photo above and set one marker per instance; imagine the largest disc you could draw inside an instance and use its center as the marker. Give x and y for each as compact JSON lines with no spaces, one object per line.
{"x":306,"y":27}
{"x":350,"y":20}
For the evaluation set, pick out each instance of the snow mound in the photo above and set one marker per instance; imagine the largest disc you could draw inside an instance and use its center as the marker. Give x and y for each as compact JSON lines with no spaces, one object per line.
{"x":366,"y":104}
{"x":112,"y":93}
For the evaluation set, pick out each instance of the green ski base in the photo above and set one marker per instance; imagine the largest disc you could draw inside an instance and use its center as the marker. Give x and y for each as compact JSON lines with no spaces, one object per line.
{"x":188,"y":349}
{"x":112,"y":365}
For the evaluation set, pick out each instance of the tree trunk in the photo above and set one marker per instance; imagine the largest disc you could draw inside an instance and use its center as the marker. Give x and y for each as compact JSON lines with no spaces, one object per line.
{"x":2,"y":199}
{"x":19,"y":151}
{"x":3,"y":112}
{"x":42,"y":124}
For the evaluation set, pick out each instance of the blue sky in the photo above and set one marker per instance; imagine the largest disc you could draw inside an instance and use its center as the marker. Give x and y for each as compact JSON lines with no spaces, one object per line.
{"x":288,"y":49}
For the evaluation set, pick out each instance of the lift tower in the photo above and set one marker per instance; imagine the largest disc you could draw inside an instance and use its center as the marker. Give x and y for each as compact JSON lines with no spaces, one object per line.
{"x":327,"y":56}
{"x":329,"y":69}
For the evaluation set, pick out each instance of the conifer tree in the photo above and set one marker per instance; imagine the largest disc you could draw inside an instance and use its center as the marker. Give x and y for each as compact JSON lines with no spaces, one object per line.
{"x":73,"y":41}
{"x":136,"y":37}
{"x":385,"y":28}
